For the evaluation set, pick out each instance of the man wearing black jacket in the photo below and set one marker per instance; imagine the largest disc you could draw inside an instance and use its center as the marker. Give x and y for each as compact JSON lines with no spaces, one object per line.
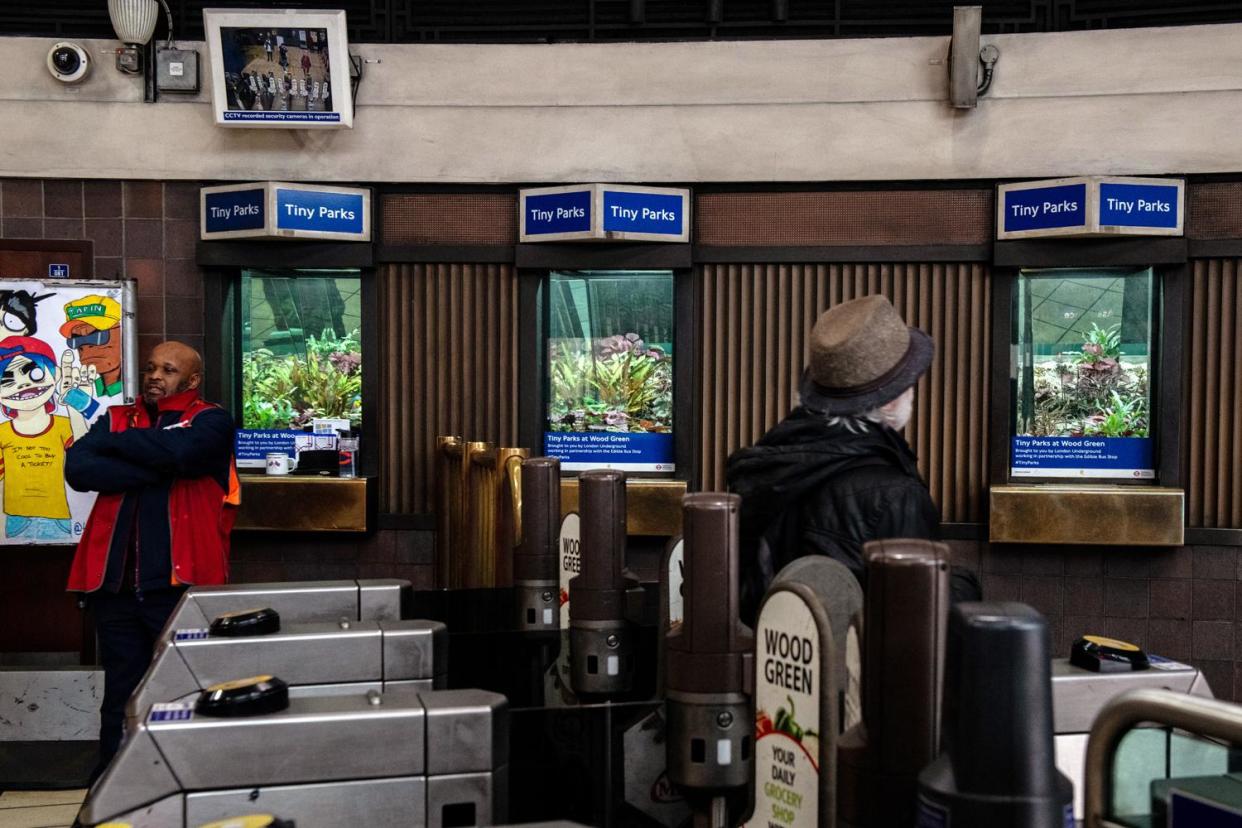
{"x":836,"y":472}
{"x":163,"y":468}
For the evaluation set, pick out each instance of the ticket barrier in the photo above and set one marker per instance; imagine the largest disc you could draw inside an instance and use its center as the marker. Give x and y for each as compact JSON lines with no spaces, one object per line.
{"x":401,"y":758}
{"x":588,"y":753}
{"x":605,"y":599}
{"x":903,"y":650}
{"x":313,"y":659}
{"x":997,"y":767}
{"x":1158,"y":758}
{"x":1079,"y":695}
{"x":382,"y":599}
{"x":710,"y":668}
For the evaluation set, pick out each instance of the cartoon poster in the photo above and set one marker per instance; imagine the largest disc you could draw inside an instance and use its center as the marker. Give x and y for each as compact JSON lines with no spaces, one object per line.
{"x":65,"y":357}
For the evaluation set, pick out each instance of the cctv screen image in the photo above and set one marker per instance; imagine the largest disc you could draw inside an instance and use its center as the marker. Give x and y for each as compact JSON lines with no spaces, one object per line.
{"x":277,"y":74}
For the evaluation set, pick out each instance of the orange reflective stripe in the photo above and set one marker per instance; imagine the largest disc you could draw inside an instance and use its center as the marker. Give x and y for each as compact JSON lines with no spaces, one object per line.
{"x":233,"y":498}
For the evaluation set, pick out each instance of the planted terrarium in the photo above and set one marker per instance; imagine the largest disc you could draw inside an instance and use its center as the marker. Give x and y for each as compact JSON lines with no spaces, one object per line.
{"x":610,"y":370}
{"x":1083,"y":371}
{"x":301,"y":356}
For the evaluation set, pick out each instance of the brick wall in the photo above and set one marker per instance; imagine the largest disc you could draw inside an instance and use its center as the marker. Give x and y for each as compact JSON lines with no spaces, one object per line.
{"x":1179,"y":603}
{"x":386,"y":553}
{"x":142,"y":230}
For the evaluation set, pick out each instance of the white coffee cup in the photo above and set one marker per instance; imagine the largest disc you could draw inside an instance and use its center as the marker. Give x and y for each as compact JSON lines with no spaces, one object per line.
{"x":280,"y":463}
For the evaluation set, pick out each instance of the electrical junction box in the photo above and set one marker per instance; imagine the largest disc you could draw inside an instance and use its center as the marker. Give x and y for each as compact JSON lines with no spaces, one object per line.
{"x":176,"y":70}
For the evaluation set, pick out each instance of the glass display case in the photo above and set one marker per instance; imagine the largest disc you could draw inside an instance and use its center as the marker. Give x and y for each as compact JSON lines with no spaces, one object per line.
{"x":301,"y":351}
{"x":1082,"y":363}
{"x":609,"y":380}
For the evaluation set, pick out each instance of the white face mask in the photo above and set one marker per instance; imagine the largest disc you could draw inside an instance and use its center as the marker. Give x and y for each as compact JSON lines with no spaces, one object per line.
{"x":897,"y":412}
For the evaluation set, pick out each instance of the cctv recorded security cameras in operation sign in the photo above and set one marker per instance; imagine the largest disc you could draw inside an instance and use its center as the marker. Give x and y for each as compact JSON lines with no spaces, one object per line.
{"x":68,"y":62}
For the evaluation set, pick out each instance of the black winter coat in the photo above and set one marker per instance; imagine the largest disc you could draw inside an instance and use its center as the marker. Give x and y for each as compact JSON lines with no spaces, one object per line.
{"x":811,"y":488}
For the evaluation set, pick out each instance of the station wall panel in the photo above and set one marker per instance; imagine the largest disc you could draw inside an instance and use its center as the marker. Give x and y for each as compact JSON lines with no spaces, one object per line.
{"x":448,"y":365}
{"x":755,"y":322}
{"x":1214,"y":396}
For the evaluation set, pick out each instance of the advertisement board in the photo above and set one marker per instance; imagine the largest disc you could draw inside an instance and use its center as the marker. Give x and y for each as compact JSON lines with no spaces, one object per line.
{"x":67,"y":353}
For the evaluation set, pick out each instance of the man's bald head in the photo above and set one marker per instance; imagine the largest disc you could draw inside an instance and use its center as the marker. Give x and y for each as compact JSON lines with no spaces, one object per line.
{"x":171,"y":368}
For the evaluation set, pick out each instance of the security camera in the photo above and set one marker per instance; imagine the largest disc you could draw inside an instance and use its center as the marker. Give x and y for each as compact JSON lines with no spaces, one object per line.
{"x":68,"y":62}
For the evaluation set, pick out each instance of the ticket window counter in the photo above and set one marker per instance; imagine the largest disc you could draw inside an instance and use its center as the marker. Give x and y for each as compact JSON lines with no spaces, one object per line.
{"x":1086,"y":387}
{"x":294,"y":343}
{"x":607,"y":338}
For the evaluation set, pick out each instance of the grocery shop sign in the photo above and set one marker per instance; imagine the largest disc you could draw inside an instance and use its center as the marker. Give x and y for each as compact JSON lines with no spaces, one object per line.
{"x":795,"y":744}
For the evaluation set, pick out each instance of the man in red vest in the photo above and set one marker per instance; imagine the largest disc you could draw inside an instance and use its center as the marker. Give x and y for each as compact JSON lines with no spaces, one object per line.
{"x":164,"y":471}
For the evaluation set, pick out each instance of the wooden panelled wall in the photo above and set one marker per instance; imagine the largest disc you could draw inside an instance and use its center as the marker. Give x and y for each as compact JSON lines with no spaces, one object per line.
{"x":449,"y":357}
{"x":755,"y":323}
{"x":1213,"y":407}
{"x":448,"y":366}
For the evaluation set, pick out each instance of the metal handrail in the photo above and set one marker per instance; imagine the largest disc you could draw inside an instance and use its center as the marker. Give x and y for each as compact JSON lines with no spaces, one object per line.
{"x":1205,"y":717}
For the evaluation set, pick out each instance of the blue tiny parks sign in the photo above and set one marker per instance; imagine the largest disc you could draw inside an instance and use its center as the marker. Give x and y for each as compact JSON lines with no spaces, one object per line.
{"x":321,"y":212}
{"x":556,"y":214}
{"x":1082,"y":457}
{"x":1057,"y":207}
{"x":581,"y":451}
{"x":1140,"y":205}
{"x":602,"y":212}
{"x":1090,"y":206}
{"x":277,"y":210}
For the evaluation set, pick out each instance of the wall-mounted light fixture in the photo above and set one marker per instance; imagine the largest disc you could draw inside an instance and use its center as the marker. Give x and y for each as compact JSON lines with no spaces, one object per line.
{"x":970,"y":67}
{"x":134,"y":23}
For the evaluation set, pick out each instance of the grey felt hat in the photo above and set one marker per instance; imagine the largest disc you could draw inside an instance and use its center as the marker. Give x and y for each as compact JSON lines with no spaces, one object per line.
{"x":862,"y":355}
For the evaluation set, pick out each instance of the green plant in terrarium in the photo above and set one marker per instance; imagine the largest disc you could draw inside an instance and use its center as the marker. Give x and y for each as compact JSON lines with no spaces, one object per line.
{"x":290,"y":390}
{"x":1091,"y":392}
{"x":617,"y":384}
{"x":1100,"y":344}
{"x":1123,"y":418}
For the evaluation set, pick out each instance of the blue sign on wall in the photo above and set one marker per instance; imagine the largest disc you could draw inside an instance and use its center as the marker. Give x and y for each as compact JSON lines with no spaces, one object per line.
{"x":1045,"y":208}
{"x":319,"y":211}
{"x":278,"y":210}
{"x":604,"y":212}
{"x":58,"y":271}
{"x":1138,"y":205}
{"x":251,"y":446}
{"x":1123,"y":457}
{"x":232,"y":210}
{"x":568,"y":212}
{"x":641,"y":212}
{"x":584,"y":450}
{"x":1090,"y":206}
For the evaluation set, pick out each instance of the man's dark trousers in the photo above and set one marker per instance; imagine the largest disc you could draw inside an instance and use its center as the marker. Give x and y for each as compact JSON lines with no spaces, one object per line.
{"x":128,"y":624}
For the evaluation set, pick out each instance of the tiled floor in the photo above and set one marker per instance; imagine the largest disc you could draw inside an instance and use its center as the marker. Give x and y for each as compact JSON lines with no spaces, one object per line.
{"x":39,"y":809}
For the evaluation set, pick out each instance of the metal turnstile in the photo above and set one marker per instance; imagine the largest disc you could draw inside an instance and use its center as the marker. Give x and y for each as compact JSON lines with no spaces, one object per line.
{"x":1182,"y":791}
{"x":402,"y":758}
{"x":1079,"y":695}
{"x":297,"y":602}
{"x":313,"y":659}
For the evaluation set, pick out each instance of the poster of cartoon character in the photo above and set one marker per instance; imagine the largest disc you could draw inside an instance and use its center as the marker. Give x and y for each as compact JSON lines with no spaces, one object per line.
{"x":66,"y":354}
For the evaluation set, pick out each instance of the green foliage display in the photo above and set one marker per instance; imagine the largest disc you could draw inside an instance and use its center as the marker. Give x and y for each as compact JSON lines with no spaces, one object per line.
{"x":290,"y":390}
{"x":614,"y":383}
{"x":1091,"y":393}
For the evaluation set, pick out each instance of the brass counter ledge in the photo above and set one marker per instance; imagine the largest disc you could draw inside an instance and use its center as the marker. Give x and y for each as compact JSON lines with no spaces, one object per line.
{"x":1087,"y":514}
{"x":289,"y":503}
{"x":653,"y":507}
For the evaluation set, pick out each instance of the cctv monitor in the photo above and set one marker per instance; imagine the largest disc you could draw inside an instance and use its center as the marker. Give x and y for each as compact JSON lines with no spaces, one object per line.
{"x":283,"y":68}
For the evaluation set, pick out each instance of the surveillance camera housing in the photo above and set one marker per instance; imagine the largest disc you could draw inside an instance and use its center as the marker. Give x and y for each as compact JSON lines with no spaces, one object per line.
{"x":68,"y":62}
